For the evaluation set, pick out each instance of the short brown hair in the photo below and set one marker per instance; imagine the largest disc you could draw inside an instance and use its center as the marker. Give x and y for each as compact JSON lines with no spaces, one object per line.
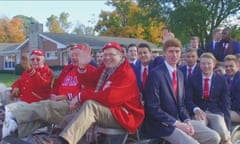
{"x":191,"y":50}
{"x":195,"y":38}
{"x":231,"y":58}
{"x":172,"y":42}
{"x":208,"y":55}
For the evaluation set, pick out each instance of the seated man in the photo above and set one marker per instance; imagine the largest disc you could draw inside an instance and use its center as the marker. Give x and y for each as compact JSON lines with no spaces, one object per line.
{"x":35,"y":82}
{"x":114,"y":102}
{"x":207,"y":98}
{"x":233,"y":78}
{"x":65,"y":87}
{"x":165,"y":111}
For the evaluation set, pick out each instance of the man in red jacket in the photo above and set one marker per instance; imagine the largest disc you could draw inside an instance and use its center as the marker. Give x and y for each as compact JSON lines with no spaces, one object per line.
{"x":65,"y":87}
{"x":114,"y":102}
{"x":35,"y":82}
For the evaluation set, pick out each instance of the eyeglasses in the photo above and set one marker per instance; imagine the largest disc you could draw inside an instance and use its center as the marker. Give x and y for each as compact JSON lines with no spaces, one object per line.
{"x":109,"y":54}
{"x":35,"y":59}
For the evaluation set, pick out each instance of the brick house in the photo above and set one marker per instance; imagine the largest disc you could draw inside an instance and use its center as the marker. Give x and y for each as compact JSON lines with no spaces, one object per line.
{"x":54,"y":46}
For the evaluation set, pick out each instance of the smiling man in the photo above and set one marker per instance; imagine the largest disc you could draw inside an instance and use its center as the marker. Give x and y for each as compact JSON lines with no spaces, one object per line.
{"x":112,"y":100}
{"x":207,"y":98}
{"x":35,"y":82}
{"x":231,"y":64}
{"x":165,"y":111}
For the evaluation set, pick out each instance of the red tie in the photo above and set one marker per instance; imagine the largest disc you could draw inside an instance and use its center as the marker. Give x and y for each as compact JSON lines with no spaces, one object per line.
{"x":206,"y":89}
{"x":174,"y":81}
{"x":144,"y":76}
{"x":189,"y":72}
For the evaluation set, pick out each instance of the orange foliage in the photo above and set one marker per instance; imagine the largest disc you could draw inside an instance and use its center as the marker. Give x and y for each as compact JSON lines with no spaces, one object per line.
{"x":11,"y":30}
{"x":128,"y":20}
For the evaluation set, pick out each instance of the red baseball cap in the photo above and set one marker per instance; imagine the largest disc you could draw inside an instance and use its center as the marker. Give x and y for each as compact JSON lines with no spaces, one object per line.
{"x":37,"y":52}
{"x":82,"y":47}
{"x":113,"y":45}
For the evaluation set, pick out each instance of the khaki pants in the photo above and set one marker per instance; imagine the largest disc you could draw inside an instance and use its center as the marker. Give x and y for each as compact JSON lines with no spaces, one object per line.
{"x":32,"y":116}
{"x":235,"y":117}
{"x":217,"y":123}
{"x":91,"y":112}
{"x":203,"y":135}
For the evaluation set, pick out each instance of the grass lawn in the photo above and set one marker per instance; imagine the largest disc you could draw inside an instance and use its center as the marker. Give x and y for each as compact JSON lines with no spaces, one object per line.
{"x":8,"y":79}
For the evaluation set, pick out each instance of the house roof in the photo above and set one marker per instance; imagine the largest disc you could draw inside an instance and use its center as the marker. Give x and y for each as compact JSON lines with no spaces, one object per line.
{"x":8,"y":47}
{"x":62,"y":40}
{"x":96,"y":42}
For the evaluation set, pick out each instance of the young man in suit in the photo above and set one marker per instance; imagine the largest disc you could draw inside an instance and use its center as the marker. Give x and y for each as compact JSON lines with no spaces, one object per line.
{"x":195,"y":44}
{"x":132,"y":53}
{"x":207,"y":98}
{"x":226,"y":46}
{"x":143,"y":65}
{"x":165,"y":113}
{"x":217,"y":36}
{"x":233,"y":78}
{"x":192,"y":66}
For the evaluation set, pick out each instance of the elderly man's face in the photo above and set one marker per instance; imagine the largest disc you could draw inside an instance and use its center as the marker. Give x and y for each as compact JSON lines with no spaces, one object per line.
{"x":37,"y":61}
{"x":111,"y":57}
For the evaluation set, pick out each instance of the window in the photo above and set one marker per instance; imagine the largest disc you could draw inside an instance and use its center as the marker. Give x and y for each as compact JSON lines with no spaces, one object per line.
{"x":9,"y":62}
{"x":51,"y":55}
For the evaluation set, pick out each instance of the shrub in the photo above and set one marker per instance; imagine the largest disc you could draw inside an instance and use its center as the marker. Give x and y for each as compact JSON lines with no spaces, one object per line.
{"x":18,"y":69}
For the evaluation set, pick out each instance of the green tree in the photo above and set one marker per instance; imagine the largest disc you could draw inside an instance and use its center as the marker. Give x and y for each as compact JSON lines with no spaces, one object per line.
{"x":82,"y":30}
{"x":27,"y":21}
{"x":192,"y":17}
{"x":58,"y":24}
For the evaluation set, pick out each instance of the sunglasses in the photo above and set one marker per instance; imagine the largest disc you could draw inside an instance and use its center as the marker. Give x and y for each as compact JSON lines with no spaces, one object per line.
{"x":35,"y":59}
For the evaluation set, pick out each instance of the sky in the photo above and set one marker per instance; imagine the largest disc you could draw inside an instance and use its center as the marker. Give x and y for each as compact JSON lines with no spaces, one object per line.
{"x":82,"y":11}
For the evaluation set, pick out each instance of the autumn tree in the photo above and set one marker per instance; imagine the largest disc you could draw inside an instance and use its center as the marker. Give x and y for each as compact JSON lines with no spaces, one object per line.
{"x":11,"y":31}
{"x":27,"y":21}
{"x":128,"y":20}
{"x":58,"y":24}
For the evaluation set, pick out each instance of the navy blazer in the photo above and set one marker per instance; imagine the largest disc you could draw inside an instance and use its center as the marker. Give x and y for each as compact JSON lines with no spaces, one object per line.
{"x":162,"y":109}
{"x":185,"y":71}
{"x":235,"y":93}
{"x":209,"y":47}
{"x":137,"y":70}
{"x":233,"y":48}
{"x":219,"y":99}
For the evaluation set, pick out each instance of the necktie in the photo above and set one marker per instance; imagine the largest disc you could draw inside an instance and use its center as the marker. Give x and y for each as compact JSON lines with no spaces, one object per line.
{"x":229,"y":80}
{"x":189,"y":72}
{"x":206,"y":89}
{"x":225,"y":45}
{"x":174,"y":81}
{"x":144,"y":76}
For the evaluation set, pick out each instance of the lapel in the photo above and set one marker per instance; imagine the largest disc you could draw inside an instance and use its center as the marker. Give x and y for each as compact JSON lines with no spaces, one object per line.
{"x":199,"y":78}
{"x":169,"y":82}
{"x":213,"y":82}
{"x":179,"y":82}
{"x":235,"y":80}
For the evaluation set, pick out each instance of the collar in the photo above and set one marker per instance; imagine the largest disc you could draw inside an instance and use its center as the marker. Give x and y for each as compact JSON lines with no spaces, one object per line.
{"x":169,"y":67}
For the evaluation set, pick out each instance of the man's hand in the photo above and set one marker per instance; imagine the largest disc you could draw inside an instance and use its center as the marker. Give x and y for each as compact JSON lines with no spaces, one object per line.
{"x":84,"y":57}
{"x":25,"y":62}
{"x":188,"y":129}
{"x":191,"y":129}
{"x":200,"y":115}
{"x":14,"y":94}
{"x":74,"y":103}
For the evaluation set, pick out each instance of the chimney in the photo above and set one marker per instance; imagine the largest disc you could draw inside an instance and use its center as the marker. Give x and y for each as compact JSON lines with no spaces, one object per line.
{"x":34,"y":41}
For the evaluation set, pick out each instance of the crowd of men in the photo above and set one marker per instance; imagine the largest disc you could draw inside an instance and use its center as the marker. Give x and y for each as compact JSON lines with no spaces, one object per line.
{"x":188,"y":98}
